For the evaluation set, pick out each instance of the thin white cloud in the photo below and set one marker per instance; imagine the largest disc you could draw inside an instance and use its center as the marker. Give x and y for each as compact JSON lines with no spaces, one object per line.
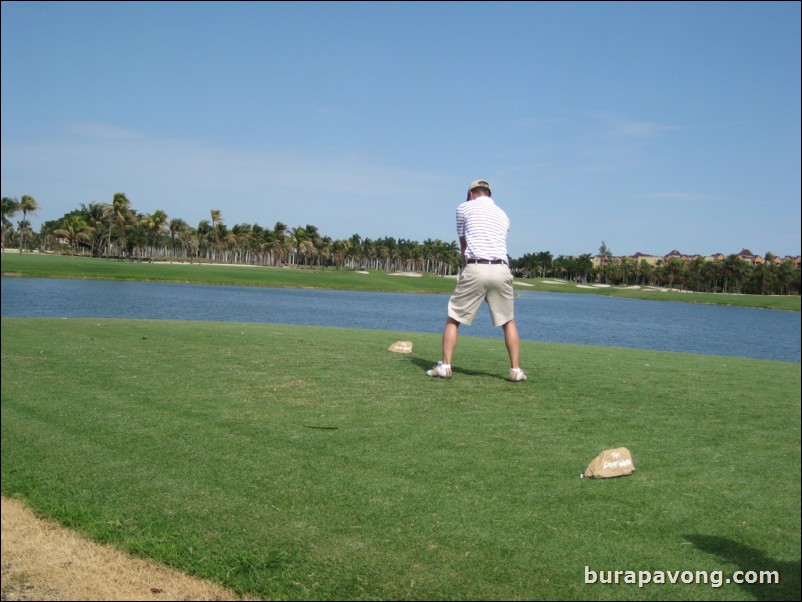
{"x":616,"y":125}
{"x":600,"y":123}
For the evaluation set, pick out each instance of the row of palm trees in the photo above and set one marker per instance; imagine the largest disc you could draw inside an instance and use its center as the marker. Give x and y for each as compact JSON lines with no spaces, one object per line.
{"x":733,"y":275}
{"x":11,"y":207}
{"x":115,"y":230}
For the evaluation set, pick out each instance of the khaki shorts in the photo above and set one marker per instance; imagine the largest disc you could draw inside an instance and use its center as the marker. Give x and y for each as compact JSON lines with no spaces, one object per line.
{"x":480,"y":282}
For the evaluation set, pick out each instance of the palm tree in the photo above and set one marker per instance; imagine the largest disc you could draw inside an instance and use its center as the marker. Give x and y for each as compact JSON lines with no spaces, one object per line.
{"x":768,"y":271}
{"x":626,"y":265}
{"x":280,"y":243}
{"x":216,"y":232}
{"x":544,"y":261}
{"x":154,"y":223}
{"x":368,"y":253}
{"x":734,"y":268}
{"x":695,"y":269}
{"x":256,"y":244}
{"x":262,"y":244}
{"x":789,"y":278}
{"x":388,"y":250}
{"x":300,"y":243}
{"x":242,"y":234}
{"x":217,"y":217}
{"x":352,"y":251}
{"x":95,"y":217}
{"x":10,"y":209}
{"x":313,"y":247}
{"x":712,"y":272}
{"x":119,"y":214}
{"x":583,"y":265}
{"x":25,"y":231}
{"x":175,"y":227}
{"x":229,"y":246}
{"x":27,"y":205}
{"x":645,"y":271}
{"x":187,"y":238}
{"x":75,"y":230}
{"x":202,"y":235}
{"x":451,"y":257}
{"x":674,"y":270}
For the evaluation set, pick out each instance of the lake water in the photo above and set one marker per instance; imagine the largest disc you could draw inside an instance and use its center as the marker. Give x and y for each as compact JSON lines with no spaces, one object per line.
{"x":549,"y":317}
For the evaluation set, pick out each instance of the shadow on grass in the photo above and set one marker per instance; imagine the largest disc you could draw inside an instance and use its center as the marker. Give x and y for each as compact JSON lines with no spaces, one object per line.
{"x":751,"y":562}
{"x":425,"y":364}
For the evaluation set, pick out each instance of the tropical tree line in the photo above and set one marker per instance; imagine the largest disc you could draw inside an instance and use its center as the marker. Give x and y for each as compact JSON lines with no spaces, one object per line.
{"x":733,"y":275}
{"x":116,"y":230}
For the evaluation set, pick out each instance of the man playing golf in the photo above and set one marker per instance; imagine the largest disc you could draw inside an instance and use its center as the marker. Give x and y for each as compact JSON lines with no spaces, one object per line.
{"x":482,"y":227}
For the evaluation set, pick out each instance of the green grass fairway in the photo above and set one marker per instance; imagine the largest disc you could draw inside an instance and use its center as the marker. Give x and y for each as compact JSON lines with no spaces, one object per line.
{"x":304,"y":463}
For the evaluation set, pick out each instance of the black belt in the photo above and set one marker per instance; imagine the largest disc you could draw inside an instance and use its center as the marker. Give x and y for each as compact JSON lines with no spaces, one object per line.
{"x":493,"y":261}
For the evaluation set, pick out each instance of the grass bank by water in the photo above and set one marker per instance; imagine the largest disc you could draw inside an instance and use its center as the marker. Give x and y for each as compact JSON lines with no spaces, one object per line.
{"x":61,"y":266}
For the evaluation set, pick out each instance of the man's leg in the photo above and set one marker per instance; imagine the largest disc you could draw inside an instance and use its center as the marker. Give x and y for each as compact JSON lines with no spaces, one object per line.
{"x":450,"y":336}
{"x":512,"y":341}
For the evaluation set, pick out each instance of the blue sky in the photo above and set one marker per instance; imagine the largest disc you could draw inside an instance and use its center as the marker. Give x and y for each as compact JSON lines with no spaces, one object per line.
{"x":649,"y":126}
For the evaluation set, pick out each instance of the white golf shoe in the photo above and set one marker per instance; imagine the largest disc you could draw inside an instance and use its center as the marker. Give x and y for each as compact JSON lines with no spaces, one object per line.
{"x":440,"y":371}
{"x":517,"y":375}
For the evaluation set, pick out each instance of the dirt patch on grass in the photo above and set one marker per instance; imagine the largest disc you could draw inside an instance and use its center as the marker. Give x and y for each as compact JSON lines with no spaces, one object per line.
{"x":43,"y":561}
